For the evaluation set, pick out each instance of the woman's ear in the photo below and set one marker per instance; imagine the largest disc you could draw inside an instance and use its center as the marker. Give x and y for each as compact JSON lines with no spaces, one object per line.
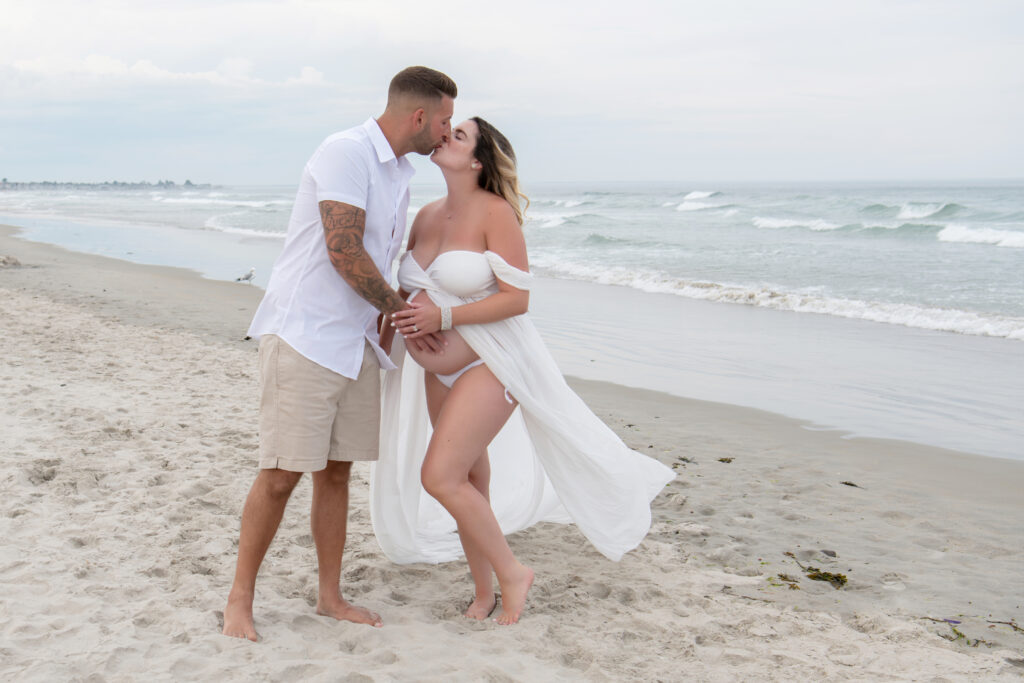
{"x":475,"y":165}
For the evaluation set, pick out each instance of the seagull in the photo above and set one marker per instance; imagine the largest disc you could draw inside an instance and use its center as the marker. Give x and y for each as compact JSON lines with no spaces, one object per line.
{"x":247,"y":277}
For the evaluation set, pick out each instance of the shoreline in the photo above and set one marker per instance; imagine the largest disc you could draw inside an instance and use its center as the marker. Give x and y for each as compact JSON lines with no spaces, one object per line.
{"x":130,"y":434}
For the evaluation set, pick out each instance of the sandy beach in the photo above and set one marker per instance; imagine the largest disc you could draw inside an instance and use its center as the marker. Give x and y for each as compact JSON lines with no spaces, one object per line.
{"x":128,"y":438}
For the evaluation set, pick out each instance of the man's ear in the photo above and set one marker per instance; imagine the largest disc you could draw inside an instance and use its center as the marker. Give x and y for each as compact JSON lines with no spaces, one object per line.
{"x":419,"y":119}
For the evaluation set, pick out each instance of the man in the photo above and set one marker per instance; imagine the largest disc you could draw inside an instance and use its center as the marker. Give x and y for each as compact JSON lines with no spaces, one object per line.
{"x":317,"y":325}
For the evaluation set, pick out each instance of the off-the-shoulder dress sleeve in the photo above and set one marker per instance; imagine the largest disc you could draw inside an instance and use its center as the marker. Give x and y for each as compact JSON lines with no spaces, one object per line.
{"x":520,"y":279}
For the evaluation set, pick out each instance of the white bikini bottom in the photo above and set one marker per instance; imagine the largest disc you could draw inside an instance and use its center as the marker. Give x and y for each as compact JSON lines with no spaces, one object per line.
{"x":449,"y":380}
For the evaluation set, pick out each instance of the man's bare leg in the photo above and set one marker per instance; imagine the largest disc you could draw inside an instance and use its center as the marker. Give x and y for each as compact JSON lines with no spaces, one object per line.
{"x":329,"y":521}
{"x":261,"y":517}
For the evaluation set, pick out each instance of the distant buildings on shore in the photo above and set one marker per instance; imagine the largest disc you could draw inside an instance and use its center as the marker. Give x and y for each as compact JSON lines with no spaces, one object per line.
{"x":109,"y":185}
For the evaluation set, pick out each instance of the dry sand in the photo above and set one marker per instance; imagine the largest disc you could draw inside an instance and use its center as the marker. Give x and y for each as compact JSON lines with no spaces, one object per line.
{"x":128,"y":436}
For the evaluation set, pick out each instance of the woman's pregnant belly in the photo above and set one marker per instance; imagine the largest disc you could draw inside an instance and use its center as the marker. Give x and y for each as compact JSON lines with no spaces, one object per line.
{"x":457,"y":354}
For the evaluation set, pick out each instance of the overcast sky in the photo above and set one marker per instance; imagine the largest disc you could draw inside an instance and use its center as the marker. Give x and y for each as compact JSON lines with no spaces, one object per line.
{"x":242,"y":92}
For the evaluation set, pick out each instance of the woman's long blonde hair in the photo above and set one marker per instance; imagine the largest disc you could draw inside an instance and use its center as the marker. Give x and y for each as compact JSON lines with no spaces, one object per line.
{"x":498,"y":175}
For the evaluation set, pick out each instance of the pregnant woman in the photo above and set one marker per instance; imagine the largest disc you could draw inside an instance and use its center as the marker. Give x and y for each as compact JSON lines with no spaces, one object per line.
{"x":466,"y":274}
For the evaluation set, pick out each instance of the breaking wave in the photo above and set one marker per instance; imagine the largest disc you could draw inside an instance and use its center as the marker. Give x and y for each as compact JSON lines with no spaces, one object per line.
{"x":908,"y":315}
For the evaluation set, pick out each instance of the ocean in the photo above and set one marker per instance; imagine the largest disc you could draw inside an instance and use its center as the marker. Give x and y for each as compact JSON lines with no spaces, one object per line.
{"x":947,"y":259}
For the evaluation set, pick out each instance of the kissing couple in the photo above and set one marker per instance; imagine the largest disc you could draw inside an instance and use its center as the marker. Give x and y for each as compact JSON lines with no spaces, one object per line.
{"x":469,"y":394}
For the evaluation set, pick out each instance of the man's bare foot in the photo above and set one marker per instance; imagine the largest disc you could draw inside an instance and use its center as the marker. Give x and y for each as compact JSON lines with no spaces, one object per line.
{"x":238,"y":618}
{"x":481,"y":608}
{"x":343,"y":610}
{"x":513,"y":597}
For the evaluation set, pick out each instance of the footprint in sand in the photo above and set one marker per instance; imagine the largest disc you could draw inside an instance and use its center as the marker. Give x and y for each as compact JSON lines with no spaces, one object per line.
{"x":303,"y":541}
{"x":195,"y":489}
{"x":352,"y":647}
{"x":299,"y":672}
{"x":896,"y":517}
{"x":307,"y":625}
{"x":845,"y":654}
{"x":42,"y":471}
{"x":893,"y":582}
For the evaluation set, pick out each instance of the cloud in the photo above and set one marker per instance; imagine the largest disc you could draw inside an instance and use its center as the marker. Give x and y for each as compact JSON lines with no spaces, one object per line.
{"x":233,"y":72}
{"x":645,"y":89}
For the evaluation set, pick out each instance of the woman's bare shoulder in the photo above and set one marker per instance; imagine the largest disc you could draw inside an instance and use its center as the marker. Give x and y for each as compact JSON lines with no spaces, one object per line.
{"x":498,"y":213}
{"x":503,"y":233}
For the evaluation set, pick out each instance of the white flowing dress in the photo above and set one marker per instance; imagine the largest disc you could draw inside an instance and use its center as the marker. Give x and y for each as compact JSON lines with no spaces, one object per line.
{"x":554,"y":460}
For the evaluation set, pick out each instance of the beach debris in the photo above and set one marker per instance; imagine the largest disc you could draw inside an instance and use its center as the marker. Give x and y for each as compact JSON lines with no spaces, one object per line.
{"x":9,"y":262}
{"x":830,"y":553}
{"x":725,"y":460}
{"x":958,"y":636}
{"x":815,"y":574}
{"x":789,"y":581}
{"x":1011,"y":623}
{"x":850,"y":483}
{"x":247,"y":277}
{"x":684,"y":461}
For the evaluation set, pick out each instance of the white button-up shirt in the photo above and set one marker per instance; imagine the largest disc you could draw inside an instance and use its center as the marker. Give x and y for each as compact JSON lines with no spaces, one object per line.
{"x":307,"y":303}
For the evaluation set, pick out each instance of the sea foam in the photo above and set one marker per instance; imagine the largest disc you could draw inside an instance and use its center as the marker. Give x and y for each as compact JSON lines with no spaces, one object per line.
{"x":1000,"y":238}
{"x":914,"y":210}
{"x":695,"y":206}
{"x":907,"y":315}
{"x":809,"y":223}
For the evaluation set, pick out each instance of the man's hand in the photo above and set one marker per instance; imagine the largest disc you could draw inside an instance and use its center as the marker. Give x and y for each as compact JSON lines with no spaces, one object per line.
{"x":434,"y":342}
{"x":386,"y":332}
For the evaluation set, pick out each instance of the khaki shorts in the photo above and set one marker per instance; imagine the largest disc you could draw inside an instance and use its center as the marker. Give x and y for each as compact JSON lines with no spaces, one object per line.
{"x":309,"y":414}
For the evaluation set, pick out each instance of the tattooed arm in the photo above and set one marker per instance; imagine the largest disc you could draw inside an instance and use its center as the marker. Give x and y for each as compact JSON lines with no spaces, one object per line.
{"x":343,"y":231}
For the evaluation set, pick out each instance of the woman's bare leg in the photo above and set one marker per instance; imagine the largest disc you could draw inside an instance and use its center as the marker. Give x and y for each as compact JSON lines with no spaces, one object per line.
{"x":484,"y":599}
{"x":471,"y":415}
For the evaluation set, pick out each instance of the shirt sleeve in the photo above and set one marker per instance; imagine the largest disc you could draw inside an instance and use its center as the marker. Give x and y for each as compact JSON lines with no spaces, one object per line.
{"x":341,"y":172}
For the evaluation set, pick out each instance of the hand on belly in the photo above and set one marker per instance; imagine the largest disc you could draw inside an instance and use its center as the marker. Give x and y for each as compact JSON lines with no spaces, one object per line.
{"x":456,"y":356}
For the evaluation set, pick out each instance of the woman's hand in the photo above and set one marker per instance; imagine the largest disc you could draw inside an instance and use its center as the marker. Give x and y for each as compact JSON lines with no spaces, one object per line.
{"x":417,"y":321}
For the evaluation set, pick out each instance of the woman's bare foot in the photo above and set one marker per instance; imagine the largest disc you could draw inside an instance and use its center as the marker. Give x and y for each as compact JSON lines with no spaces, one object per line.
{"x":342,"y":610}
{"x":513,"y":597}
{"x":238,"y":618}
{"x":481,"y":608}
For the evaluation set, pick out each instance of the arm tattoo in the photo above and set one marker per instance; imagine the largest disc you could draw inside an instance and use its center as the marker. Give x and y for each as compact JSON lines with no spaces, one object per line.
{"x":343,"y":231}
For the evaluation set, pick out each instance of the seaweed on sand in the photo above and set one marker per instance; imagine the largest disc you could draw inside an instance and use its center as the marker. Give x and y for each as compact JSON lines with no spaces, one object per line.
{"x":837,"y":580}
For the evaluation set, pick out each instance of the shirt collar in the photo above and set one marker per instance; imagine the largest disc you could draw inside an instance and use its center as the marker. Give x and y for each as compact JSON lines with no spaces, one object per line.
{"x":380,"y":143}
